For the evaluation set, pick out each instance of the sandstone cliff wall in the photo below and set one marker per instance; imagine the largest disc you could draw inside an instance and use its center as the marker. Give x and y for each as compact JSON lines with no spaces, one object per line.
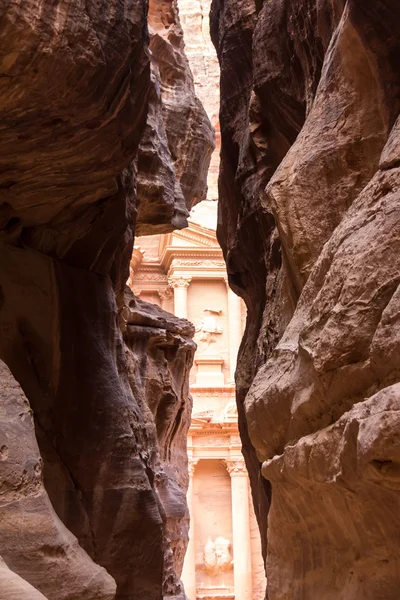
{"x":309,"y":223}
{"x":102,"y":134}
{"x":195,"y":19}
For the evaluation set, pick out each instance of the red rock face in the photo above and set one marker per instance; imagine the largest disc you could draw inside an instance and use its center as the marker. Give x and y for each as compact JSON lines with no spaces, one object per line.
{"x":309,"y":222}
{"x":94,"y":503}
{"x":13,"y":587}
{"x":176,"y":145}
{"x":34,"y":541}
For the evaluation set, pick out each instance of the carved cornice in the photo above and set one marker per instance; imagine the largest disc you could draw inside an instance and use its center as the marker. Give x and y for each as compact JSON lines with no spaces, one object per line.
{"x":209,"y":429}
{"x":180,"y":262}
{"x":198,"y":262}
{"x":213,"y":391}
{"x":190,"y":255}
{"x":153,"y":276}
{"x":209,"y":360}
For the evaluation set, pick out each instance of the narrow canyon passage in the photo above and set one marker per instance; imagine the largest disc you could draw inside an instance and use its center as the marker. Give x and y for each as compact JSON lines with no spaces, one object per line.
{"x":184,"y":273}
{"x":134,"y":136}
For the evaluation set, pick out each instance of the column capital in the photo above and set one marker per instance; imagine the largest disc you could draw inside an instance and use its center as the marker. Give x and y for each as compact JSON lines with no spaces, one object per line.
{"x":179,"y":282}
{"x":236,"y":467}
{"x":192,"y":462}
{"x":165,"y":294}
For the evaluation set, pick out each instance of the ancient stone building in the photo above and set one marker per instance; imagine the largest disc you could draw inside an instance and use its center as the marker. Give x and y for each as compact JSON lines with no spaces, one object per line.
{"x":184,"y":272}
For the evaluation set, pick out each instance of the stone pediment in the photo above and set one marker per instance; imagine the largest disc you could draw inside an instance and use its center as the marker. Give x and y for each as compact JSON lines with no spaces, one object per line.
{"x":194,"y":236}
{"x":192,"y":249}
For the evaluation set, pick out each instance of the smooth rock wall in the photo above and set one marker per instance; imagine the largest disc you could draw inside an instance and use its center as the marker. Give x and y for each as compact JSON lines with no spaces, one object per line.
{"x":82,"y":101}
{"x":13,"y":587}
{"x":309,"y":223}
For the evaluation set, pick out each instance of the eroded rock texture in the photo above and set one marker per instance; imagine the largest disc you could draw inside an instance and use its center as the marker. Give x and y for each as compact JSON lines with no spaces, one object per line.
{"x":195,"y":19}
{"x":178,"y":136}
{"x":33,"y":539}
{"x":95,"y":500}
{"x":160,"y":356}
{"x":309,"y":221}
{"x":13,"y":587}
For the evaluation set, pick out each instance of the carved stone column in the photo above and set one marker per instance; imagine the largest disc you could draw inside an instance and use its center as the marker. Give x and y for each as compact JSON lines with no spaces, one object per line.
{"x":165,"y":297}
{"x":180,"y":286}
{"x":242,"y":575}
{"x":189,"y":566}
{"x":235,"y":328}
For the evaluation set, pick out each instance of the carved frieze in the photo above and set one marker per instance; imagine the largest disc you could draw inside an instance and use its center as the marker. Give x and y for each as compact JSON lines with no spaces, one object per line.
{"x":192,"y":262}
{"x":153,"y":276}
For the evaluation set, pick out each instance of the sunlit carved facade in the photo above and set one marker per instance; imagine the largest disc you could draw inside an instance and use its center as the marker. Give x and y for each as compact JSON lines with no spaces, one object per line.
{"x":184,"y":272}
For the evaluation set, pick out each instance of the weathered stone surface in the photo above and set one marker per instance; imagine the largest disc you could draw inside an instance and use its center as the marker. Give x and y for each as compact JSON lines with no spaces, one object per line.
{"x":34,"y":542}
{"x":343,"y":481}
{"x":178,"y":140}
{"x":310,"y":226}
{"x":13,"y":587}
{"x":76,"y":90}
{"x":159,"y":377}
{"x":195,"y":20}
{"x":69,"y":97}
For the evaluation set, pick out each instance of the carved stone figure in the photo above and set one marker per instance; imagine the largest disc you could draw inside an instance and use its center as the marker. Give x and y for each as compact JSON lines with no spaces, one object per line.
{"x":230,"y":411}
{"x":217,"y":556}
{"x":209,"y":329}
{"x":210,"y":559}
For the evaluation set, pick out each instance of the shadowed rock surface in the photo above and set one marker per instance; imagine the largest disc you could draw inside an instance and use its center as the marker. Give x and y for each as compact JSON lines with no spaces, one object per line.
{"x":81,"y":104}
{"x":309,"y":223}
{"x":34,"y":542}
{"x":178,"y":139}
{"x":13,"y":587}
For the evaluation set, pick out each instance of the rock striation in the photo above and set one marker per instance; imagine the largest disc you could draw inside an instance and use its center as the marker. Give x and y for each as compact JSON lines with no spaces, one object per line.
{"x":309,"y":222}
{"x":12,"y":587}
{"x":102,"y":134}
{"x":178,"y":139}
{"x":195,"y":19}
{"x":33,"y":539}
